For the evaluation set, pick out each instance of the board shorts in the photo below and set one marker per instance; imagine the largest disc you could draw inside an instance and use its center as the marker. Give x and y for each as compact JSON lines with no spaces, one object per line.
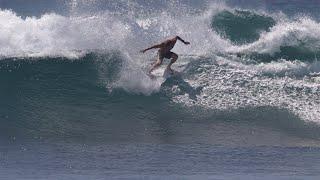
{"x":167,"y":55}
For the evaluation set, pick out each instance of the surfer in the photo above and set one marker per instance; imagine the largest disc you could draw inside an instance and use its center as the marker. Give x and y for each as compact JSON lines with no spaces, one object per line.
{"x":164,"y":52}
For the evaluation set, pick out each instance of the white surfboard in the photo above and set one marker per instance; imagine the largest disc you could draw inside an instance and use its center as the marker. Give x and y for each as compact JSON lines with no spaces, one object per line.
{"x":168,"y":74}
{"x":163,"y":73}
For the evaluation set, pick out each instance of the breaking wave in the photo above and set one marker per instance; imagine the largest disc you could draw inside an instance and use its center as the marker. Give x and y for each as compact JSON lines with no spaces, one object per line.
{"x":266,"y":60}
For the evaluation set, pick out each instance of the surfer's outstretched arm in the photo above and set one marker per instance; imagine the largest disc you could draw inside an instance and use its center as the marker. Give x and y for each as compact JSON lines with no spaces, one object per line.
{"x":180,"y":39}
{"x":152,"y":47}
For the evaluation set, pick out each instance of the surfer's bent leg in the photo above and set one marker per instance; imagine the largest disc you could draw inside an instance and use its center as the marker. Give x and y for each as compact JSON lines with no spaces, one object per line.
{"x":157,"y":63}
{"x":173,"y":58}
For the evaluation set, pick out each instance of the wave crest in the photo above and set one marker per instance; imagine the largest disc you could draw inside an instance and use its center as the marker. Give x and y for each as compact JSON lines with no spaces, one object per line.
{"x":291,"y":40}
{"x":241,"y":26}
{"x":56,"y":35}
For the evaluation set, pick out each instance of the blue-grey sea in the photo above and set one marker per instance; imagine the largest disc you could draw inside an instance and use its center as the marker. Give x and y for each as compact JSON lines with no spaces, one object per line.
{"x":76,"y":101}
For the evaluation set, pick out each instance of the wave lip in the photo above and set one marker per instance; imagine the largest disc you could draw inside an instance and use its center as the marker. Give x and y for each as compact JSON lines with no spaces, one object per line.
{"x":292,"y":40}
{"x":240,"y":26}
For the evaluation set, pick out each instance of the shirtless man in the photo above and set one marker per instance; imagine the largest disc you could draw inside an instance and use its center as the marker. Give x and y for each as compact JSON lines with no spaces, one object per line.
{"x":164,"y":52}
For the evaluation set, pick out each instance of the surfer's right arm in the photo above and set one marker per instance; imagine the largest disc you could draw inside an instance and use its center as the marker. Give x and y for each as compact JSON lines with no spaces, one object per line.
{"x":180,"y":39}
{"x":152,"y":47}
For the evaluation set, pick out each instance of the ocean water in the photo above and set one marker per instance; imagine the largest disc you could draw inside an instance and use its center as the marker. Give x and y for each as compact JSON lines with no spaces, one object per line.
{"x":76,"y":103}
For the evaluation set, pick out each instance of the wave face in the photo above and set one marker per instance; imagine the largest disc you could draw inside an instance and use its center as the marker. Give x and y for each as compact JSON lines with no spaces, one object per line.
{"x":242,"y":64}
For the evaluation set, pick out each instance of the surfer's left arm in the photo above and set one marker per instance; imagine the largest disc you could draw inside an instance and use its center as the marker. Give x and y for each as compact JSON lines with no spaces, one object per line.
{"x":152,"y":47}
{"x":184,"y":42}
